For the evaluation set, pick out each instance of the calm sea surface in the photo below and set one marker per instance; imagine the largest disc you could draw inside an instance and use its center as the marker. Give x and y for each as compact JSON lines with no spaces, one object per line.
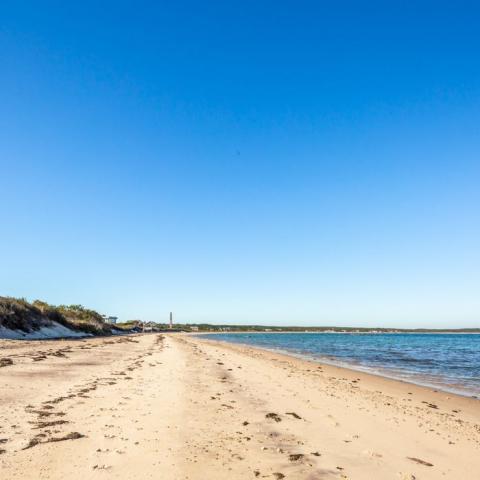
{"x":450,"y":362}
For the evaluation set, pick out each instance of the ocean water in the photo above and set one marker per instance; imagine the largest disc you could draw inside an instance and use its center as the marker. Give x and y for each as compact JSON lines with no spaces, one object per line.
{"x":449,"y":362}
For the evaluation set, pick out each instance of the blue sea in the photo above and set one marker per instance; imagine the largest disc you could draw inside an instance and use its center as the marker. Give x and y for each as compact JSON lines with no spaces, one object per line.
{"x":449,"y":362}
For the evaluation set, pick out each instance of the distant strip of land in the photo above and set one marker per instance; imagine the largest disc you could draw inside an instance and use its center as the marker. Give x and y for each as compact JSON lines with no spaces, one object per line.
{"x":23,"y":320}
{"x":228,"y":328}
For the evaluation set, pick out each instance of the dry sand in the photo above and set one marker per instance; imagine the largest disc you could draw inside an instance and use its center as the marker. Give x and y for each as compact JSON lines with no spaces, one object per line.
{"x":181,"y":407}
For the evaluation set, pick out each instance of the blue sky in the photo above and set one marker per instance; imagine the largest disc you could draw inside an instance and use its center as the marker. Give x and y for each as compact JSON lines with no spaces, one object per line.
{"x":251,"y":162}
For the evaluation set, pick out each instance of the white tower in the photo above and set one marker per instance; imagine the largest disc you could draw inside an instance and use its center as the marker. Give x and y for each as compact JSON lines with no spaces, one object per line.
{"x":171,"y":321}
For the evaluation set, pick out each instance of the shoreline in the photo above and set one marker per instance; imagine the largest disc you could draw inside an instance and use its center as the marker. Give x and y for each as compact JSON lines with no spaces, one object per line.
{"x":347,"y":370}
{"x":360,"y":369}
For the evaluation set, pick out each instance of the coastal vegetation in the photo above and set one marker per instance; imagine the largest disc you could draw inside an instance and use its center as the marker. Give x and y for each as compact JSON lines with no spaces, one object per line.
{"x":21,"y":315}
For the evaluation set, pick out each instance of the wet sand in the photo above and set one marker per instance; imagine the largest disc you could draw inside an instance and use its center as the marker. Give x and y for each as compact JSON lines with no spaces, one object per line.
{"x":182,"y":407}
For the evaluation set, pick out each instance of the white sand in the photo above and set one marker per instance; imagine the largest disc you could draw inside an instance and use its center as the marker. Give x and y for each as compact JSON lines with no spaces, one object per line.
{"x":56,"y":330}
{"x":190,"y":408}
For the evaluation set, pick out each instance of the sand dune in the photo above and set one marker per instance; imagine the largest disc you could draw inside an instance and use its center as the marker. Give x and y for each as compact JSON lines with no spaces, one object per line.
{"x":180,"y":407}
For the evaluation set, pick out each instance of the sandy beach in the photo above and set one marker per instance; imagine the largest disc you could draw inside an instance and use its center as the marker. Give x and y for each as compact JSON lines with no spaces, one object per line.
{"x":184,"y":407}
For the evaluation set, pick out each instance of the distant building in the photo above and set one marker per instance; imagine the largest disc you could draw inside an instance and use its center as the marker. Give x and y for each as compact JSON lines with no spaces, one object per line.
{"x":194,"y":329}
{"x":109,"y":319}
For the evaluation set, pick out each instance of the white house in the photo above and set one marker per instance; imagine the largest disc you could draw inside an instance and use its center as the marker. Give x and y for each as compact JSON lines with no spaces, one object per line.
{"x":109,"y":319}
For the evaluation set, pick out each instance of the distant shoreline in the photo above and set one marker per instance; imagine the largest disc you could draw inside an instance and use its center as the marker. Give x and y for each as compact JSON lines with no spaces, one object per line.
{"x":427,"y":332}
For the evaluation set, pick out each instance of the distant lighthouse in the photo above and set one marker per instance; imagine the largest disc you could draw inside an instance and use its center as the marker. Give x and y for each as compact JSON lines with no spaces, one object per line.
{"x":171,"y":321}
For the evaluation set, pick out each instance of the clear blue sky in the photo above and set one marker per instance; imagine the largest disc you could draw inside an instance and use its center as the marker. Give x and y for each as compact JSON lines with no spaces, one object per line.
{"x":255,"y":162}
